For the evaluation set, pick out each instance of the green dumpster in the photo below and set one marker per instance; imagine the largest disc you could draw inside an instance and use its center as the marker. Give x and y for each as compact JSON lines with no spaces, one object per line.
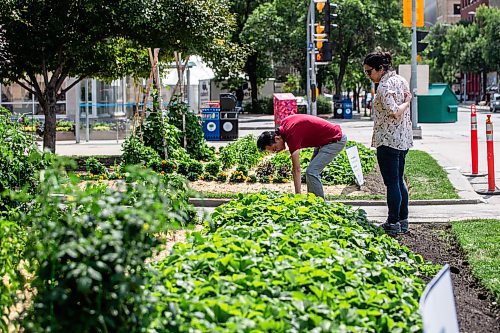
{"x":440,"y":105}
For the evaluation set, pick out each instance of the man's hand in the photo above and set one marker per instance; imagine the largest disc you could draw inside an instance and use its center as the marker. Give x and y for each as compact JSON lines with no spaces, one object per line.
{"x":296,"y":171}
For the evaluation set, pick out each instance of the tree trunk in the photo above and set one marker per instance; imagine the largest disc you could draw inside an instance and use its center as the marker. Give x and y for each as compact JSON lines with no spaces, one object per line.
{"x":251,"y":69}
{"x":49,"y":129}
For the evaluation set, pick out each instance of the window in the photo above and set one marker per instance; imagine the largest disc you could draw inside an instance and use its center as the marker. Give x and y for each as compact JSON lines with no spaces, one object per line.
{"x":456,"y":9}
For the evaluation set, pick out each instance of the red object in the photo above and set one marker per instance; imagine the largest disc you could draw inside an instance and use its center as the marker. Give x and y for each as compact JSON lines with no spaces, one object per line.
{"x":306,"y":131}
{"x":491,"y":157}
{"x":473,"y":138}
{"x":285,"y":104}
{"x":213,"y":104}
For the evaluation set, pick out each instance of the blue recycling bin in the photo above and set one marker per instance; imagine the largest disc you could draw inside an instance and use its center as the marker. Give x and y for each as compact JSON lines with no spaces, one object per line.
{"x":347,"y":106}
{"x":211,"y":123}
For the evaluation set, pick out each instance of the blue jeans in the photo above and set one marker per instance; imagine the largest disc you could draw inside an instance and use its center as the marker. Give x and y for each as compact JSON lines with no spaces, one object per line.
{"x":392,"y":167}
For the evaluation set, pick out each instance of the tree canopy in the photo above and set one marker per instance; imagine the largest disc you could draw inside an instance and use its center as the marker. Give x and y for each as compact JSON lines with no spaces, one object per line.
{"x":43,"y":42}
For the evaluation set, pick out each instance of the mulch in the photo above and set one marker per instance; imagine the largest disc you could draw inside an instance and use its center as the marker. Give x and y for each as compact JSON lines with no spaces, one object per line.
{"x":477,"y":310}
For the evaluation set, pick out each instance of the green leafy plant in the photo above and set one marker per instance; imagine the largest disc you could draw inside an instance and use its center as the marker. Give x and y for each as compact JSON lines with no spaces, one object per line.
{"x":237,"y":177}
{"x":339,"y":171}
{"x":136,"y":153}
{"x":222,"y":177}
{"x":95,"y":167}
{"x":243,"y":152}
{"x":213,"y":168}
{"x":90,"y":247}
{"x":286,"y":263}
{"x":178,"y":112}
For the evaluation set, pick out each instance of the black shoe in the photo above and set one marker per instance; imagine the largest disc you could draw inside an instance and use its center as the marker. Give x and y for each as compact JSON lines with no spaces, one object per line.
{"x":392,"y":229}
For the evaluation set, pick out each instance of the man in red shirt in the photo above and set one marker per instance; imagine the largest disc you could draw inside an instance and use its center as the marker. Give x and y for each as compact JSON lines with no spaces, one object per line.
{"x":306,"y":131}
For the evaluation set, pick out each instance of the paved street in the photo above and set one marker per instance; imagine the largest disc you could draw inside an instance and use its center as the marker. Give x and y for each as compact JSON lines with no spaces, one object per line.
{"x":448,"y":143}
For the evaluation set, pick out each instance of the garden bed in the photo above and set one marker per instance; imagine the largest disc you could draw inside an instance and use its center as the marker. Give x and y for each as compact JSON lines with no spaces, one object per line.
{"x":476,"y":307}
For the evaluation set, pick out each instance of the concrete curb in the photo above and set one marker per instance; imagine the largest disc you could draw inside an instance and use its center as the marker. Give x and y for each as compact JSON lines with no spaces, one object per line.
{"x":211,"y":202}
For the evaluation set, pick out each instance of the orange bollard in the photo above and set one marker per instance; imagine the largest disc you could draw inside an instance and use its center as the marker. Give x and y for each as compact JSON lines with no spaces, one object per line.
{"x":473,"y":139}
{"x":490,"y":153}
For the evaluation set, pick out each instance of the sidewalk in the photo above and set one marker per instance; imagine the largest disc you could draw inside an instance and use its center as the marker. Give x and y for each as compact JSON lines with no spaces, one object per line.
{"x":448,"y":143}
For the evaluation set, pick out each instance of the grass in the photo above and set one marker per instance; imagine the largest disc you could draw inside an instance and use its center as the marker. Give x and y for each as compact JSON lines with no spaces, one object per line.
{"x":480,"y":240}
{"x":426,"y":178}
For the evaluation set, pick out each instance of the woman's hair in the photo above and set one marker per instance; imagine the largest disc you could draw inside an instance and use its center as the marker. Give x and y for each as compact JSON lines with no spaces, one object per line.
{"x":379,"y":60}
{"x":267,"y":139}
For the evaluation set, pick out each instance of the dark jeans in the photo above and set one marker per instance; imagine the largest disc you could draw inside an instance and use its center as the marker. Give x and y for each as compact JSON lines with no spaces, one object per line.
{"x":392,"y":166}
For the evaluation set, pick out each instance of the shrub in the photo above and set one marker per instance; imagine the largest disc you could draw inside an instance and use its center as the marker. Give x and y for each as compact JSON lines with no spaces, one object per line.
{"x":183,"y":168}
{"x":136,"y":153}
{"x":222,"y":177}
{"x":95,"y":167}
{"x":242,"y":152}
{"x":265,"y":169}
{"x":324,"y":105}
{"x":243,"y":169}
{"x":91,"y":251}
{"x":263,"y":106}
{"x":237,"y":177}
{"x":196,"y":145}
{"x":195,"y":167}
{"x":213,"y":168}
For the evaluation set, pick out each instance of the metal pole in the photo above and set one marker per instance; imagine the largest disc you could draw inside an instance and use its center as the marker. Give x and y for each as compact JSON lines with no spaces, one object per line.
{"x":313,"y":58}
{"x":309,"y":49}
{"x":77,"y":113}
{"x":413,"y":81}
{"x":87,"y":130}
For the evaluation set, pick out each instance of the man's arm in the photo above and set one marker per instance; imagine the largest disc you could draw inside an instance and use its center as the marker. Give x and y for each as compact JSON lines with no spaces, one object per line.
{"x":296,"y":171}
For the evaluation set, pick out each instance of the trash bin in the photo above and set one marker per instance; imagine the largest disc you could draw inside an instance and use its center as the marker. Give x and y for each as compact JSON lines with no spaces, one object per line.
{"x":347,"y":108}
{"x":338,"y":109}
{"x":211,"y":123}
{"x":284,"y":104}
{"x":228,"y":125}
{"x":439,"y":105}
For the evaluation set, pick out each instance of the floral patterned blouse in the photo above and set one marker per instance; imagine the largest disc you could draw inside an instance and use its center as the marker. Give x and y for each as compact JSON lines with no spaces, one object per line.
{"x":387,"y":130}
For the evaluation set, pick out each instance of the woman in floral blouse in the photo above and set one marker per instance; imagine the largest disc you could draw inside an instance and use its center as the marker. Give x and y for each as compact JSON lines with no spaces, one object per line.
{"x":392,"y":135}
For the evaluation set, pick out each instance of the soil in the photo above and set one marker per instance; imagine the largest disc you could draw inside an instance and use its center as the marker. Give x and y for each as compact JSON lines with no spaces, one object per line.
{"x":477,"y":310}
{"x":373,"y":185}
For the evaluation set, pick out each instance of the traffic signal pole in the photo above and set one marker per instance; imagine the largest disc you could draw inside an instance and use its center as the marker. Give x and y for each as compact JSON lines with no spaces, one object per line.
{"x":417,"y":131}
{"x":311,"y":61}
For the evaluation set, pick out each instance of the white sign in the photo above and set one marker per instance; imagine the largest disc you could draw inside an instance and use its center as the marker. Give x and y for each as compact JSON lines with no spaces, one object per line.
{"x":355,"y":162}
{"x":437,"y":304}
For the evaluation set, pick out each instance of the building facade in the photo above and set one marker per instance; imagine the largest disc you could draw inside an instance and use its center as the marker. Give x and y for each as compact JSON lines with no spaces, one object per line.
{"x":448,"y":11}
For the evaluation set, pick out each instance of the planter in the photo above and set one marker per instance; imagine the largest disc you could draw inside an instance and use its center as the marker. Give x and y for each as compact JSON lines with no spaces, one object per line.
{"x":105,"y":135}
{"x":65,"y":136}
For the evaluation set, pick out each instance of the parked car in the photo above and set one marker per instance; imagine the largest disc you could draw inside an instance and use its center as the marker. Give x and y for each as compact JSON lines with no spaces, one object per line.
{"x":495,"y":103}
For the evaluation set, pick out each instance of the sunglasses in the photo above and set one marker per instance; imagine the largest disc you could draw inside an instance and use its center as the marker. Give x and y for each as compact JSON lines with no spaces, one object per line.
{"x":369,"y":71}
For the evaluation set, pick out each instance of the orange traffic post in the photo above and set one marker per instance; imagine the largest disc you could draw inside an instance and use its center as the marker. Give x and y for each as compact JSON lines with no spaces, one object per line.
{"x":474,"y":144}
{"x":473,"y":139}
{"x":492,"y":189}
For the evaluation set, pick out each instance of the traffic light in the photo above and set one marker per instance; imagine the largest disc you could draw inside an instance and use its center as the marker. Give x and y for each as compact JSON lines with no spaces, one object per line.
{"x":324,"y":53}
{"x":322,"y":31}
{"x":420,"y":44}
{"x":329,"y":17}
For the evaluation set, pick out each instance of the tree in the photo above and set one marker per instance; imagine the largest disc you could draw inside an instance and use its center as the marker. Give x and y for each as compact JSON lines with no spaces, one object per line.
{"x":44,"y":42}
{"x":363,"y":26}
{"x":434,"y":51}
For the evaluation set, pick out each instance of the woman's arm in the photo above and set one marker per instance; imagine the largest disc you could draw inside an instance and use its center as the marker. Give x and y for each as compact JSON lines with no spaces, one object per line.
{"x":397,"y":110}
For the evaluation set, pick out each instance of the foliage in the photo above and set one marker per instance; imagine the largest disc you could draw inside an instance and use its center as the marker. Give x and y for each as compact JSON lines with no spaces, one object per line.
{"x":136,"y":153}
{"x":213,"y":168}
{"x":479,"y":241}
{"x":196,"y":145}
{"x":237,"y":177}
{"x":324,"y":105}
{"x":51,"y":39}
{"x":65,"y":126}
{"x":292,"y":84}
{"x":289,"y":264}
{"x":20,"y":159}
{"x":339,"y":171}
{"x":426,"y":179}
{"x":14,"y":237}
{"x":243,"y":152}
{"x":263,"y":105}
{"x":265,"y":170}
{"x":222,"y":176}
{"x":91,"y":246}
{"x":159,"y":134}
{"x":95,"y":167}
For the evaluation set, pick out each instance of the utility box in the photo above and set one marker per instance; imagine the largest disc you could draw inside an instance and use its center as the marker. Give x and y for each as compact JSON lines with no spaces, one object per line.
{"x":338,"y":109}
{"x":285,"y":104}
{"x":439,"y":105}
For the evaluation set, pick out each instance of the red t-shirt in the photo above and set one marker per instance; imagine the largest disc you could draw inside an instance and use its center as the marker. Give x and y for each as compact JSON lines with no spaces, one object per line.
{"x":305,"y":131}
